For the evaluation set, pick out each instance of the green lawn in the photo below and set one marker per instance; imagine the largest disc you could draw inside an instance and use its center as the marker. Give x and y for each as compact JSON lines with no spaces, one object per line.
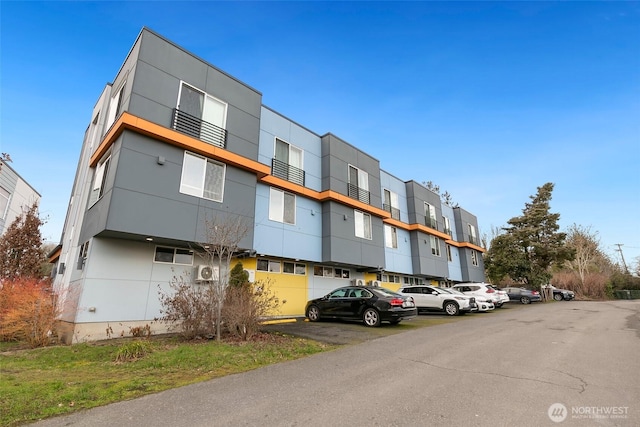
{"x":45,"y":382}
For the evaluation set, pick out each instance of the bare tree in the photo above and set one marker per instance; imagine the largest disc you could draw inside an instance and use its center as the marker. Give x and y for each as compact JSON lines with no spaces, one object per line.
{"x":222,"y":241}
{"x":586,"y":245}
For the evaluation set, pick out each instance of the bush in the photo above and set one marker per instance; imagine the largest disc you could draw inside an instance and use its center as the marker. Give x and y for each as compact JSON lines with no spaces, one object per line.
{"x":190,"y":309}
{"x":245,"y":306}
{"x":28,"y":311}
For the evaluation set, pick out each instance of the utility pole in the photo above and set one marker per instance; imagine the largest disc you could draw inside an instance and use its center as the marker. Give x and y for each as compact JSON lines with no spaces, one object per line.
{"x":624,"y":264}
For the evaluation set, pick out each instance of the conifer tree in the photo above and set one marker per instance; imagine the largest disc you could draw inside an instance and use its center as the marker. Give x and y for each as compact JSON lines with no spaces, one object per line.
{"x":530,"y":245}
{"x":21,"y":253}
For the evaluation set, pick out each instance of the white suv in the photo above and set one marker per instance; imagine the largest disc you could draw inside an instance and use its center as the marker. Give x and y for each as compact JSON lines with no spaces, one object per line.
{"x":482,"y":303}
{"x":485,"y":290}
{"x":431,"y":298}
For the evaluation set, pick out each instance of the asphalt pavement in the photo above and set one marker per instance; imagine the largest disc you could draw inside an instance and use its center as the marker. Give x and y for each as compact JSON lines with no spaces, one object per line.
{"x":565,"y":363}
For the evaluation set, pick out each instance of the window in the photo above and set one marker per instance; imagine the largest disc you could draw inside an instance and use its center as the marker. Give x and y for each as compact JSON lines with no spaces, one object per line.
{"x":391,"y":278}
{"x":358,"y":184}
{"x":82,"y":255}
{"x":449,"y":256}
{"x":173,"y":255}
{"x":342,"y":273}
{"x":282,"y":206}
{"x":363,"y":225}
{"x":474,"y":257}
{"x":390,"y":236}
{"x":202,"y":177}
{"x":92,"y":131}
{"x":447,"y":225}
{"x":435,"y":245}
{"x":324,"y":271}
{"x":391,"y":204}
{"x":268,"y":265}
{"x":289,"y":159}
{"x":430,"y":216}
{"x":115,"y":104}
{"x":198,"y":112}
{"x":4,"y":202}
{"x":99,"y":181}
{"x":294,"y":268}
{"x":472,"y":234}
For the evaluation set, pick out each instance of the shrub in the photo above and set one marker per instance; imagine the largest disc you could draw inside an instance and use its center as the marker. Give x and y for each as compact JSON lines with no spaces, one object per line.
{"x":245,"y":306}
{"x":28,"y":311}
{"x":189,"y":308}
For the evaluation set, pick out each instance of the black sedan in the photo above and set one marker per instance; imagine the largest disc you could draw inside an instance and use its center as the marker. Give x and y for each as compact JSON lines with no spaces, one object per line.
{"x":525,"y":296}
{"x":372,"y":305}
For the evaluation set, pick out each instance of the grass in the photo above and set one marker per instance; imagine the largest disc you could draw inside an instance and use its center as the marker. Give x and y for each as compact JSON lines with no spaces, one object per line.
{"x":45,"y":382}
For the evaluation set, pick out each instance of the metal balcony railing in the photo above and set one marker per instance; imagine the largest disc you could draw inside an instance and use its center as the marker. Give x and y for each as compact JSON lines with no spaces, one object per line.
{"x":358,"y":193}
{"x":197,"y":128}
{"x":286,"y":171}
{"x":395,"y":212}
{"x":431,"y":222}
{"x":473,"y":240}
{"x":447,"y":231}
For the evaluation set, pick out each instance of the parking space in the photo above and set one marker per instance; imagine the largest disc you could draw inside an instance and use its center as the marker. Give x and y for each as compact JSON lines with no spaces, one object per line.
{"x":341,"y":332}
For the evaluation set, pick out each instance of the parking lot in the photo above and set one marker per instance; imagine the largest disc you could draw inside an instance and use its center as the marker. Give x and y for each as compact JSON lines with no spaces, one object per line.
{"x":346,"y":332}
{"x":517,"y":366}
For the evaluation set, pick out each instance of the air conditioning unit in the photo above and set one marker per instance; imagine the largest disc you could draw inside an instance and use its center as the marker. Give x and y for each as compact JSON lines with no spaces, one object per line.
{"x":375,"y":283}
{"x":205,"y":273}
{"x":357,"y":282}
{"x":251,"y":275}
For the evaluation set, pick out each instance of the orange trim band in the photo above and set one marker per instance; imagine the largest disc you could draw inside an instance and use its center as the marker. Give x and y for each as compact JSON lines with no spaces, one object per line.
{"x":262,"y":171}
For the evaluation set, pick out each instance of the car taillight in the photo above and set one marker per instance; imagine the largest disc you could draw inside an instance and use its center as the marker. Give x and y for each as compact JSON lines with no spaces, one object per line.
{"x":490,"y":291}
{"x":535,"y":292}
{"x":396,"y":302}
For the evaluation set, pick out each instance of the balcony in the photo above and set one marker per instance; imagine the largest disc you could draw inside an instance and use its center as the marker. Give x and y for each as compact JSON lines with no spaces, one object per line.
{"x":473,"y":240}
{"x":285,"y":171}
{"x":447,"y":231}
{"x":395,"y":212}
{"x":197,"y":128}
{"x":358,"y":193}
{"x":431,"y":222}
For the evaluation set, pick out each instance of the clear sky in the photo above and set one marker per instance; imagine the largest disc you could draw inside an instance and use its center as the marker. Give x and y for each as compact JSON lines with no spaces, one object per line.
{"x":488,"y":100}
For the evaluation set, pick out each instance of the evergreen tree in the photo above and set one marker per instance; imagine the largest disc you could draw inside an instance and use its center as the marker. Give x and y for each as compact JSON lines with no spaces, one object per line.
{"x":530,"y":245}
{"x":21,"y":253}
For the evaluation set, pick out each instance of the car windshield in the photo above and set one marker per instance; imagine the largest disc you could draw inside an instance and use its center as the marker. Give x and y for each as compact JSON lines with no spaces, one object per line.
{"x":446,"y":291}
{"x":455,"y":291}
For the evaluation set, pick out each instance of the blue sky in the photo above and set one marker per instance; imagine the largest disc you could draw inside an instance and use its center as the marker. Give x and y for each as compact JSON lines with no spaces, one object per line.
{"x":488,"y":100}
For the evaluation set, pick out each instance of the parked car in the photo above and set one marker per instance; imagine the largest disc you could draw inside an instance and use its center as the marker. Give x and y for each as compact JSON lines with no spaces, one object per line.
{"x":371,"y":305}
{"x":561,"y":294}
{"x":482,"y":303}
{"x":483,"y":290}
{"x":431,"y":298}
{"x":524,"y":296}
{"x":503,"y":297}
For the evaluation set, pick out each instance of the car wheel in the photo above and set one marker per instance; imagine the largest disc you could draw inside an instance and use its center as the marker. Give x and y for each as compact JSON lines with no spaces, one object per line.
{"x":313,"y":313}
{"x":371,"y":317}
{"x":498,"y":305}
{"x":557,"y":297}
{"x":525,"y":300}
{"x":451,"y":308}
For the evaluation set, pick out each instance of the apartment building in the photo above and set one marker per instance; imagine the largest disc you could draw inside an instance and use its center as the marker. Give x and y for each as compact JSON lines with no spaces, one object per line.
{"x":16,"y":195}
{"x":175,"y":144}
